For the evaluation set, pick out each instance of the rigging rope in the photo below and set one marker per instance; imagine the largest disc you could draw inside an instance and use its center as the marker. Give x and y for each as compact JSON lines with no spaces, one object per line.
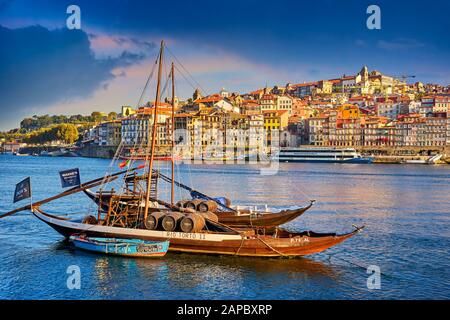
{"x":188,"y":73}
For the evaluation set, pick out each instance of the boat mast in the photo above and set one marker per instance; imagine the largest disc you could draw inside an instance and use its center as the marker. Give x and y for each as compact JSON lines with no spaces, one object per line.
{"x":155,"y":124}
{"x":172,"y":195}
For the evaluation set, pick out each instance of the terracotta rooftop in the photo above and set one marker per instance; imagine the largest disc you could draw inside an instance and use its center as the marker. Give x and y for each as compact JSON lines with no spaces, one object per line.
{"x":212,"y":98}
{"x":183,"y":115}
{"x":279,"y":112}
{"x":306,"y":84}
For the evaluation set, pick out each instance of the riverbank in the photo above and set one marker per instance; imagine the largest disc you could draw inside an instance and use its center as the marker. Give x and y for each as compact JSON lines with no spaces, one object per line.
{"x":381,"y":156}
{"x":408,"y":160}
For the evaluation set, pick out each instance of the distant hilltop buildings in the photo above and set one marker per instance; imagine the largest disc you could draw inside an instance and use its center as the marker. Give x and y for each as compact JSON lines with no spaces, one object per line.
{"x":366,"y":110}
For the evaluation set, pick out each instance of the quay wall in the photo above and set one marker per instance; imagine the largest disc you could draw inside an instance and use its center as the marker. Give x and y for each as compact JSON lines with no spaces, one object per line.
{"x":92,"y":151}
{"x":381,"y":154}
{"x":38,"y":149}
{"x":391,"y":151}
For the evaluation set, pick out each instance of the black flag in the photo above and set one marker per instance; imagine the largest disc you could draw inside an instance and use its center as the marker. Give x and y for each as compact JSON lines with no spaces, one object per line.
{"x":23,"y":190}
{"x":70,"y":178}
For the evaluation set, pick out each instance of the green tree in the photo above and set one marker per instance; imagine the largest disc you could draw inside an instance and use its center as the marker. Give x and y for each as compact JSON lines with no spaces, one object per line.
{"x":26,"y":123}
{"x":96,"y":116}
{"x":112,"y":115}
{"x":66,"y":132}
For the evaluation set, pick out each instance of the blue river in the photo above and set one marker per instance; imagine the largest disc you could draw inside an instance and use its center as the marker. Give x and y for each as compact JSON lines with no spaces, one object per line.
{"x":405,"y":208}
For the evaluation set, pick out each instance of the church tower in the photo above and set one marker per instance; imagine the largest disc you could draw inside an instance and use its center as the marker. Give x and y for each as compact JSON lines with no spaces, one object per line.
{"x":364,"y":74}
{"x":197,"y":94}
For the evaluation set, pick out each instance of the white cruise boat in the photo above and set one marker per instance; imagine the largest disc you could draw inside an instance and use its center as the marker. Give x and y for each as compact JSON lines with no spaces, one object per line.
{"x":320,"y":154}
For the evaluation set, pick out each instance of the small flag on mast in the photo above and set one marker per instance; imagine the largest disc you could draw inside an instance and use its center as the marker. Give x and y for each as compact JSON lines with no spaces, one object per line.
{"x":70,"y":178}
{"x":23,"y":190}
{"x":124,"y":164}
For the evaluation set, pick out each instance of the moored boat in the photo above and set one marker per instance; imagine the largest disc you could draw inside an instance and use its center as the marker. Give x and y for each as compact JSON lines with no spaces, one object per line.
{"x":236,"y":218}
{"x":223,"y":240}
{"x":416,"y":161}
{"x":121,"y":247}
{"x":320,"y":154}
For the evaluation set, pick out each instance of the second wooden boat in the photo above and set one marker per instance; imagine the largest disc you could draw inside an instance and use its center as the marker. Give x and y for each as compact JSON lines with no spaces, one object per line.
{"x":237,"y":218}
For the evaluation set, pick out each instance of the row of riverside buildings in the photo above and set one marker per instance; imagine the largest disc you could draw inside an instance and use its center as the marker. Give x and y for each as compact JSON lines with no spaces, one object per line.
{"x":368,"y":110}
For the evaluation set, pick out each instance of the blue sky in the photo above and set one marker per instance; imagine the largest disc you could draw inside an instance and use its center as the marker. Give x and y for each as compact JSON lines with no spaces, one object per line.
{"x":238,"y":45}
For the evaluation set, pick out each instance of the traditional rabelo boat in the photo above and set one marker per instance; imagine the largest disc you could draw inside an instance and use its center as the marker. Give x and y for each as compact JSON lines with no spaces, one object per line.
{"x":202,"y":224}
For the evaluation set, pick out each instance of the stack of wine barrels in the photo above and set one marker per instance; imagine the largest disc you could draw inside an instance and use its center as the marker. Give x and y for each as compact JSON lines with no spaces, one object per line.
{"x":190,"y":219}
{"x":192,"y":204}
{"x":181,"y":203}
{"x":154,"y":220}
{"x":171,"y":220}
{"x":206,"y":206}
{"x":193,"y":222}
{"x":199,"y":205}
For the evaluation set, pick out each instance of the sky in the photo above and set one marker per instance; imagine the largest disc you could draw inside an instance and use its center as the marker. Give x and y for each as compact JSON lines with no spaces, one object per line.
{"x":45,"y":68}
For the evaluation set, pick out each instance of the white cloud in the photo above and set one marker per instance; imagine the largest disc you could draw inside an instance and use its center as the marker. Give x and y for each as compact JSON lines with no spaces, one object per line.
{"x":400,"y":44}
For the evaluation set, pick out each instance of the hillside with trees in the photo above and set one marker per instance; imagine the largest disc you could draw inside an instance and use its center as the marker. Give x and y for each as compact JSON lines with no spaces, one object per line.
{"x":45,"y":129}
{"x":46,"y":121}
{"x":65,"y":133}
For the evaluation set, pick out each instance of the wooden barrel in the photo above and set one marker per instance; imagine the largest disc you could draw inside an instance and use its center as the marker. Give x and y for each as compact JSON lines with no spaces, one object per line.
{"x":192,"y":204}
{"x":170,"y":220}
{"x":90,"y":220}
{"x":181,"y":203}
{"x":187,"y":210}
{"x":210,"y":216}
{"x":193,"y":222}
{"x":207,"y":205}
{"x":153,"y":220}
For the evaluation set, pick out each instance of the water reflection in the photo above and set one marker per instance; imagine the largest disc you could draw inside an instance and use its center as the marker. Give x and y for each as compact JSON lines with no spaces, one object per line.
{"x":112,"y":276}
{"x":258,"y":265}
{"x":405,"y":209}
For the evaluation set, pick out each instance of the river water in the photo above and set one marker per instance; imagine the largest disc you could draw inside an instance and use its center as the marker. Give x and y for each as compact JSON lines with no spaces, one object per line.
{"x":405,"y":208}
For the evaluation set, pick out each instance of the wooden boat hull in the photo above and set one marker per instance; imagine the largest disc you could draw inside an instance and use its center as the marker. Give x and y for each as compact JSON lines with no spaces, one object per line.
{"x":284,"y":245}
{"x":267,"y":220}
{"x":121,"y":247}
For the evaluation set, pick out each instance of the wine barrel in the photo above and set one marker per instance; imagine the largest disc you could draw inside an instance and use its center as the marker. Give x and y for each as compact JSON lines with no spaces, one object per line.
{"x":207,"y":205}
{"x":153,"y":220}
{"x":90,"y":220}
{"x":170,"y":220}
{"x":187,"y":210}
{"x":193,"y":222}
{"x":192,"y":204}
{"x":181,"y":203}
{"x":210,"y":216}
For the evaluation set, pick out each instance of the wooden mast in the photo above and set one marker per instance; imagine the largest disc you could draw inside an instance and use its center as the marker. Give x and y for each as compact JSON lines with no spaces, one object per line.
{"x":155,"y":127}
{"x":172,"y":195}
